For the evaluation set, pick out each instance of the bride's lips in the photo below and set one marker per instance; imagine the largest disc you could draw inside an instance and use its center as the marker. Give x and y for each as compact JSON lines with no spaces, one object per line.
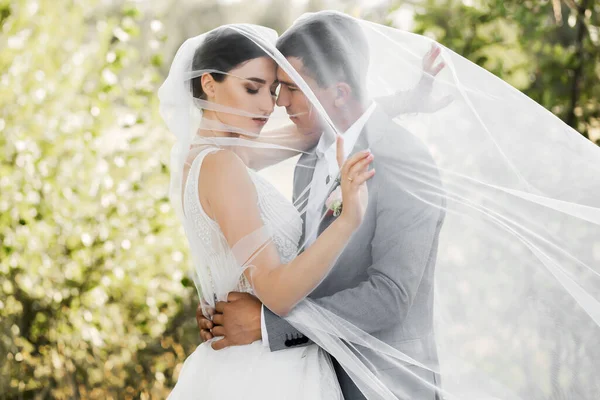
{"x":260,"y":121}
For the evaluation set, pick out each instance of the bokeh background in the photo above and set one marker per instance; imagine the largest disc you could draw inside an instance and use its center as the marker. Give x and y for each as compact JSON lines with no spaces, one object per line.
{"x":95,"y":301}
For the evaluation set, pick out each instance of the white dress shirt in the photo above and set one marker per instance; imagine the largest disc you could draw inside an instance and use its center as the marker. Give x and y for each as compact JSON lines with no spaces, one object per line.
{"x":326,"y":170}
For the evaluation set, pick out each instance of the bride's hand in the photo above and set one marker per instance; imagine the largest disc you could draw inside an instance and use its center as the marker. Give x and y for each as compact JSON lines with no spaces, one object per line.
{"x":354,"y":174}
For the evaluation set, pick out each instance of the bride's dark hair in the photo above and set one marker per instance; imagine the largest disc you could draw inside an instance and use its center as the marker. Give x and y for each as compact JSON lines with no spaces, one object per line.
{"x":222,"y":50}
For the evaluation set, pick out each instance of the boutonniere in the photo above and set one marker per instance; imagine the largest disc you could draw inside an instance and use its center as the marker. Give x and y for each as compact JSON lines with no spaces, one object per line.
{"x":334,"y":202}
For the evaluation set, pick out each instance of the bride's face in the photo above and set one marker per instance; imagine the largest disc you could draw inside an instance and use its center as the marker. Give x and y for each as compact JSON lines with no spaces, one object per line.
{"x":249,"y":87}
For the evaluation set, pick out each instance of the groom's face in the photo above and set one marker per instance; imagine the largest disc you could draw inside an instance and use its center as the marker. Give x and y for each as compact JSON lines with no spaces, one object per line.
{"x":297,"y":105}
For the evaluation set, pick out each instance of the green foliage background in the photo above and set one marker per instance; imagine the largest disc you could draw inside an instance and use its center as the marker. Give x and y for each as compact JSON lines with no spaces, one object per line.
{"x":93,"y":294}
{"x":94,"y":298}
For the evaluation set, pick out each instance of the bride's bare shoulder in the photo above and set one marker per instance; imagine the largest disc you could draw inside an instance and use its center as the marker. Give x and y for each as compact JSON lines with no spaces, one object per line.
{"x":225,"y":169}
{"x":224,"y":162}
{"x":223,"y":183}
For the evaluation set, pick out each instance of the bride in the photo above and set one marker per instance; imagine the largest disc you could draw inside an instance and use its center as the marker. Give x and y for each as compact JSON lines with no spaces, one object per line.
{"x":224,"y":202}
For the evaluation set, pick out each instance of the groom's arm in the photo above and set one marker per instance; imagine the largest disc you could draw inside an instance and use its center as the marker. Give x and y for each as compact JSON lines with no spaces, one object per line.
{"x":417,"y":99}
{"x":404,"y":243}
{"x":278,"y":334}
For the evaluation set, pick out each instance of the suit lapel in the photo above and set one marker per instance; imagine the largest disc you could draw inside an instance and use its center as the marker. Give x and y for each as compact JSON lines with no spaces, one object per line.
{"x":361,"y":144}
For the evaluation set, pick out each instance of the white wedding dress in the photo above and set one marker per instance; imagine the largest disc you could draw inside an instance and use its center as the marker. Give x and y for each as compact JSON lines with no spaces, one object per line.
{"x":252,"y":371}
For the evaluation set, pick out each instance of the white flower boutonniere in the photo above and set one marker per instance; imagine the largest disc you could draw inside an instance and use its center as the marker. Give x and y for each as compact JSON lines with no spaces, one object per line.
{"x":334,"y":202}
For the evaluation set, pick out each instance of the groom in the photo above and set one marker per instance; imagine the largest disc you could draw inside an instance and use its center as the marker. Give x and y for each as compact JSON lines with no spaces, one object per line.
{"x":382,"y":282}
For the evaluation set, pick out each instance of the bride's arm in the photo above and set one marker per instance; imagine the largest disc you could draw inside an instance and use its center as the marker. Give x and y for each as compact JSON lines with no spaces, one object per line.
{"x":286,"y":136}
{"x":231,"y":200}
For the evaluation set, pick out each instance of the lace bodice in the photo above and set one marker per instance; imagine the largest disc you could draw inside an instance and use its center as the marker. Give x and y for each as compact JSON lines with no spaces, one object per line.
{"x":216,"y":272}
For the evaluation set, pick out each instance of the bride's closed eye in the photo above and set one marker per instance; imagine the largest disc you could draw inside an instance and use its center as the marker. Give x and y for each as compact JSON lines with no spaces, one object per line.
{"x":253,"y":91}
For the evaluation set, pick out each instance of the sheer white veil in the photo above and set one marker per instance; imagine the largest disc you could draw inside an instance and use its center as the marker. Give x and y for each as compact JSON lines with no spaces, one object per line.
{"x":514,"y":286}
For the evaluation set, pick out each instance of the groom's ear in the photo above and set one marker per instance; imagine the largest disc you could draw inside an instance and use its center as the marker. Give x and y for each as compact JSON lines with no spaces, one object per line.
{"x":343,"y":93}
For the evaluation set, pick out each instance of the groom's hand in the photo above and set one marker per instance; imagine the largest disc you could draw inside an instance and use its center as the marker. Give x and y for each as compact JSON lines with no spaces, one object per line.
{"x":237,"y":320}
{"x":421,"y":100}
{"x":430,"y":59}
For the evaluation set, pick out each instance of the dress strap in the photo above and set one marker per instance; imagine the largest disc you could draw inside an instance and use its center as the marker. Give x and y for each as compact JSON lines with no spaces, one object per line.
{"x":190,"y":198}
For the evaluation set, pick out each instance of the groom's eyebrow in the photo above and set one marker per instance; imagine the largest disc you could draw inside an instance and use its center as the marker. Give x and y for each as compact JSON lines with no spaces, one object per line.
{"x":286,"y":83}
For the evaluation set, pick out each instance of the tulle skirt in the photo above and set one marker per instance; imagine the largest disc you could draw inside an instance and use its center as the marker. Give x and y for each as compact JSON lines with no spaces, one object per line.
{"x":253,"y":372}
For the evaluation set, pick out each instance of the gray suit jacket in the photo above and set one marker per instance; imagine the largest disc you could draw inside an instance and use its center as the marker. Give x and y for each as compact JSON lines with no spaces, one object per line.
{"x":383,"y":280}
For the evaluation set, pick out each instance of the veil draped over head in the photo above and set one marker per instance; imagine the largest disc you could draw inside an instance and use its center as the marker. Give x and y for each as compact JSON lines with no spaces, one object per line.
{"x":482,"y":235}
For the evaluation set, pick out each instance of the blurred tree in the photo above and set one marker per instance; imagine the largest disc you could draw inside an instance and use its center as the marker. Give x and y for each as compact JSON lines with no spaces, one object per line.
{"x":92,"y":294}
{"x":549,"y":49}
{"x":278,"y":16}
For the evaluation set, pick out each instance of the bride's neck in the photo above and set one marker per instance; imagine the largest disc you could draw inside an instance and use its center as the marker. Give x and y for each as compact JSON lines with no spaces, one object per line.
{"x":209,"y":133}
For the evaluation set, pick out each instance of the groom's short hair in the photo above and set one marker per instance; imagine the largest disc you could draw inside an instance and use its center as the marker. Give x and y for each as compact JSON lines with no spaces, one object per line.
{"x":332,"y":47}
